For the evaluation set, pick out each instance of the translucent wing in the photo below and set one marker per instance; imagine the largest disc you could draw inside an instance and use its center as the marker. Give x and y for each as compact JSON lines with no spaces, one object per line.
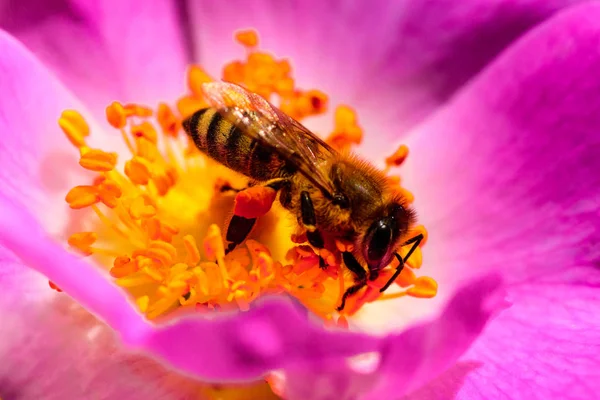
{"x":260,"y":120}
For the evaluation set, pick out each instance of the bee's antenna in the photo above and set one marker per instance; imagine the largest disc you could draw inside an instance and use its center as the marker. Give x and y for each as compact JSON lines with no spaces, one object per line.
{"x":415,"y":242}
{"x":396,"y":274}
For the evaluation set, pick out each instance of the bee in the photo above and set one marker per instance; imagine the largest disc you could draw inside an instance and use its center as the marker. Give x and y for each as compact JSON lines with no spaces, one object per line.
{"x":334,"y":195}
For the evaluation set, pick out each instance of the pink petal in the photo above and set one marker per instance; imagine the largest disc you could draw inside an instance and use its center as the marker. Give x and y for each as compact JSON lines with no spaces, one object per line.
{"x":506,"y":178}
{"x":394,"y":61}
{"x":270,"y":336}
{"x":38,"y":165}
{"x":274,"y":335}
{"x":105,"y":50}
{"x":410,"y":358}
{"x":544,"y":347}
{"x":53,"y":349}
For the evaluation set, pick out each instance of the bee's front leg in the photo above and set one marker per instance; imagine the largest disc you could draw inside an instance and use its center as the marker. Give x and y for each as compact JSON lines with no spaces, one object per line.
{"x":309,"y":222}
{"x":360,"y":274}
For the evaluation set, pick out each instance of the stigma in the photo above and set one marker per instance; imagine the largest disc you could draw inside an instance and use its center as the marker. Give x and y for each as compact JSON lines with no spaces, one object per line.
{"x":156,"y":214}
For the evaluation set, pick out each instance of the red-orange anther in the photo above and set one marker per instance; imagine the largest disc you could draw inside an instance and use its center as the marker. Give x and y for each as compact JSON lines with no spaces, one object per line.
{"x":82,"y":241}
{"x":396,"y":159}
{"x":53,"y":286}
{"x":167,"y":120}
{"x":248,"y":38}
{"x":116,"y":116}
{"x":144,"y":130}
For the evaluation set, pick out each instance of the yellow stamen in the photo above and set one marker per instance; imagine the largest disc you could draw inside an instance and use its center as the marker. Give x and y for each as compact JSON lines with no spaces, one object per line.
{"x":196,"y":78}
{"x":74,"y":126}
{"x":168,"y":121}
{"x":347,"y":132}
{"x":116,"y":116}
{"x":159,"y":220}
{"x":82,"y":241}
{"x":137,"y":110}
{"x":138,"y":170}
{"x":98,"y":160}
{"x":143,"y":302}
{"x":424,"y":287}
{"x":193,"y":254}
{"x":144,"y":130}
{"x":82,"y":196}
{"x":248,"y":38}
{"x":396,"y":159}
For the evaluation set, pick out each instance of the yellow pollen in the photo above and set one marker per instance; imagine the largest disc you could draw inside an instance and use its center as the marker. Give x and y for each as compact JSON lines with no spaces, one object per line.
{"x":159,"y":217}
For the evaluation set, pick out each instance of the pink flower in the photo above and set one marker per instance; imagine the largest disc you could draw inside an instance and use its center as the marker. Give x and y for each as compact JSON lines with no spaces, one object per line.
{"x":499,"y":103}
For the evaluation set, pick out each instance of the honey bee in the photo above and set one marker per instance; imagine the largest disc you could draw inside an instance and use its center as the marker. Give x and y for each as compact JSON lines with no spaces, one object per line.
{"x":334,"y":195}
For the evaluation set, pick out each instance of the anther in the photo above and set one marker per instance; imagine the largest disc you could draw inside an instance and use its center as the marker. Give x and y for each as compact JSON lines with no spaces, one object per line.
{"x":169,"y":124}
{"x":116,"y":115}
{"x":98,"y":160}
{"x":396,"y":159}
{"x":196,"y":78}
{"x":138,"y":170}
{"x":82,"y":241}
{"x":424,"y":287}
{"x":191,"y":248}
{"x":247,"y":38}
{"x":74,"y":127}
{"x":82,"y":196}
{"x":144,"y":130}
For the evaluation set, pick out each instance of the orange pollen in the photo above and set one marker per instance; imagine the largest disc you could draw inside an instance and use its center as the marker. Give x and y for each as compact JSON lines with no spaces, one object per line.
{"x":157,"y":218}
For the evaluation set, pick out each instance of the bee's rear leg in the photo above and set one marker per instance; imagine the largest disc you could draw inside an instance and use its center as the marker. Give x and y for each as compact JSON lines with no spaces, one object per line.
{"x":309,"y":222}
{"x":360,"y":274}
{"x":224,"y":186}
{"x":238,"y":230}
{"x":240,"y":227}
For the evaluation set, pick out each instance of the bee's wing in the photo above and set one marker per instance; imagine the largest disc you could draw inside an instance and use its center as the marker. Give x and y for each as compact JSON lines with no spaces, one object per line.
{"x":260,"y":120}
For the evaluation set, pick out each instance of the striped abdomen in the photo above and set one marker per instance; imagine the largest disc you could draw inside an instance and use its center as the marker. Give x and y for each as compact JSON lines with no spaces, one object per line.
{"x":227,"y":144}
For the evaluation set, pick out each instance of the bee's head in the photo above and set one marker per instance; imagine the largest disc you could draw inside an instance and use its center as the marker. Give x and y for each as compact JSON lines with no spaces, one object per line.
{"x":383,"y":235}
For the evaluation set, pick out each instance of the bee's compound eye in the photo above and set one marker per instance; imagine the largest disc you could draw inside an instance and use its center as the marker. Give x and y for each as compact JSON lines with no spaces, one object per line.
{"x":378,"y":241}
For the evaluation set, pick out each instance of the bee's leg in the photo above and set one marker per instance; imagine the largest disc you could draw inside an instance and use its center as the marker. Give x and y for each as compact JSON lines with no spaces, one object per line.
{"x":309,"y":222}
{"x":240,"y":227}
{"x":359,"y":272}
{"x":238,"y":230}
{"x":227,"y":188}
{"x":415,"y":242}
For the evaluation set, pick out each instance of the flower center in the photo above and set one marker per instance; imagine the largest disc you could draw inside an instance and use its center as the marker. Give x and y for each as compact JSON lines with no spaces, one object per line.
{"x":156,"y":221}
